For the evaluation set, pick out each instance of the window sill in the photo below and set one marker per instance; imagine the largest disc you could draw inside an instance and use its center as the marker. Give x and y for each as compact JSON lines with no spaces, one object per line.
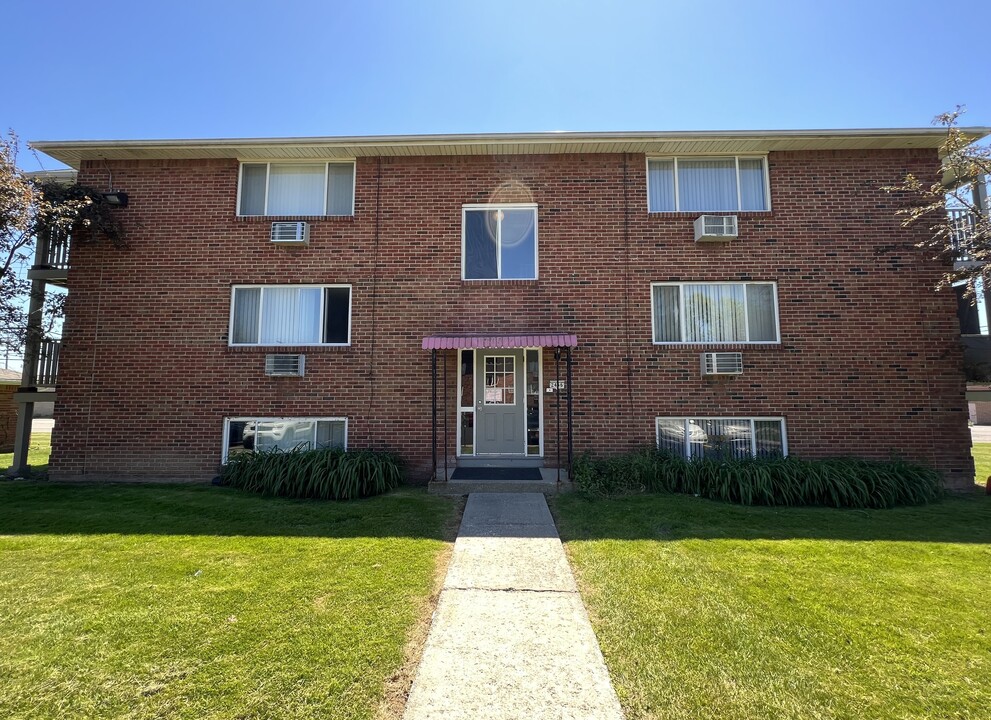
{"x":293,"y":218}
{"x":717,"y":346}
{"x":683,"y":214}
{"x":490,"y":282}
{"x":270,"y":349}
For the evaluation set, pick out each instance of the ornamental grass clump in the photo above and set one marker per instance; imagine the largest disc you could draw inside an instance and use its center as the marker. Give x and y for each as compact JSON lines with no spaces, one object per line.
{"x":326,"y":474}
{"x":834,"y":482}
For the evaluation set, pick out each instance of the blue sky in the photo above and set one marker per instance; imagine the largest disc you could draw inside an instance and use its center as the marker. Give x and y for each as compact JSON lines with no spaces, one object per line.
{"x":131,"y":70}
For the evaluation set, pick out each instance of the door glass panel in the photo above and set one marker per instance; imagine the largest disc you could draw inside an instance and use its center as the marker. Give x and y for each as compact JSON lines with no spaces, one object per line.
{"x":500,"y":380}
{"x":532,"y":402}
{"x":467,"y":433}
{"x":467,"y":378}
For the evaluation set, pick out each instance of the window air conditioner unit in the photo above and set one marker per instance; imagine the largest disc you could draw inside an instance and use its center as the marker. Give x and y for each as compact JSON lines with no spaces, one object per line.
{"x":285,"y":365}
{"x":290,"y":233}
{"x":722,"y":363}
{"x":715,"y":228}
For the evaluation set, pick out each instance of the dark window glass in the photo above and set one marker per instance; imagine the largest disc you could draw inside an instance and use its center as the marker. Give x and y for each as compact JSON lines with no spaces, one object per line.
{"x":467,"y":433}
{"x":468,"y":378}
{"x":480,"y":245}
{"x":337,"y":314}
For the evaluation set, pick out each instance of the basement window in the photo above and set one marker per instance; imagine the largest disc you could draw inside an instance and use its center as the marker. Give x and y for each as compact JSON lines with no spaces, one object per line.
{"x":246,"y":435}
{"x":720,"y":437}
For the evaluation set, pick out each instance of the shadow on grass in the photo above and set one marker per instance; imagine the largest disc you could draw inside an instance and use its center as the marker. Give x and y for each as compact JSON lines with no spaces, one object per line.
{"x":43,"y":508}
{"x":960,"y":519}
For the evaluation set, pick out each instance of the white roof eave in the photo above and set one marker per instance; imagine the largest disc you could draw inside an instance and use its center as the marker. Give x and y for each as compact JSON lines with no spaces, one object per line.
{"x":73,"y":153}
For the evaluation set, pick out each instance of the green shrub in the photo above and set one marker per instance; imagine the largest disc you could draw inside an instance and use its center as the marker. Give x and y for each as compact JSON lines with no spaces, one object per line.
{"x":330,"y":474}
{"x":836,"y":482}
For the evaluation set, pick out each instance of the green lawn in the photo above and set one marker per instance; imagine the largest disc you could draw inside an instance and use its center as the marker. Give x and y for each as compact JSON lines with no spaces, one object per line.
{"x":708,"y":610}
{"x":201,"y":602}
{"x":982,"y":463}
{"x":38,"y":452}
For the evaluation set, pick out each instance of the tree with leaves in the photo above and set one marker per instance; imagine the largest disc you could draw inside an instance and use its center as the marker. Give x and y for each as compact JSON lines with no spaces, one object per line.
{"x":964,"y":234}
{"x":28,"y":208}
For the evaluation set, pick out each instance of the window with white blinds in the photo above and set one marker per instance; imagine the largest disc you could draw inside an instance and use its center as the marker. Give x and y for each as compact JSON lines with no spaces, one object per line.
{"x":291,"y":315}
{"x":294,"y":189}
{"x":707,"y":184}
{"x":715,"y":313}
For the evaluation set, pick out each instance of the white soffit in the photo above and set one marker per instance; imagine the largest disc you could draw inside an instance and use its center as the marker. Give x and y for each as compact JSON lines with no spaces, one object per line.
{"x":72,"y":153}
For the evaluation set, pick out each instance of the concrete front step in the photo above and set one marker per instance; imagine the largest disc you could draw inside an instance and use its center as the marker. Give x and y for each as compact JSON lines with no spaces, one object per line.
{"x":466,"y":487}
{"x":548,"y":484}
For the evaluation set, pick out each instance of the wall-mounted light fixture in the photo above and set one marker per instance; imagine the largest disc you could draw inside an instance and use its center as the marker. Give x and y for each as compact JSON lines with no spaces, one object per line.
{"x":115,"y":198}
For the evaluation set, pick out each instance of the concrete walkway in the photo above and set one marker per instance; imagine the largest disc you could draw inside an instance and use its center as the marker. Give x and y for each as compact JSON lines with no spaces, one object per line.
{"x":510,"y":637}
{"x":980,"y":433}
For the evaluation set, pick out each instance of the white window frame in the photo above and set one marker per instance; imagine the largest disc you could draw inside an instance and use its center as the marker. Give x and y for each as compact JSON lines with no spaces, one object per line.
{"x":753,"y":434}
{"x":746,"y":316}
{"x":225,"y":449}
{"x":485,"y":400}
{"x":326,"y":178}
{"x":323,"y":318}
{"x":501,"y":206}
{"x":739,"y":192}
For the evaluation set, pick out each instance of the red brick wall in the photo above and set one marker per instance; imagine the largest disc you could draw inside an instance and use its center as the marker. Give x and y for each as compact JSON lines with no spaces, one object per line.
{"x":869,"y":362}
{"x":8,"y":417}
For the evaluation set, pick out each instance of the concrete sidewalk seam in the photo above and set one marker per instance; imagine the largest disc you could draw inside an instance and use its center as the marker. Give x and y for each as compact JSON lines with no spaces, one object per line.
{"x":511,"y":589}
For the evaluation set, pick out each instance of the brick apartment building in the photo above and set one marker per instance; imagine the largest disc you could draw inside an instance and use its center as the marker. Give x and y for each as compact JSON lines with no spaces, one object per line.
{"x":550,"y":294}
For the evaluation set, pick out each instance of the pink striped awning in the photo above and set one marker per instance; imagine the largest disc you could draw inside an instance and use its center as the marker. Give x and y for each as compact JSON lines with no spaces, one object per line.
{"x":471,"y":342}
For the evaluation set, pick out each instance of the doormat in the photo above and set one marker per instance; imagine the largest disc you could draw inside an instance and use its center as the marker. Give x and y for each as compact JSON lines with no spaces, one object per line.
{"x":497,"y":473}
